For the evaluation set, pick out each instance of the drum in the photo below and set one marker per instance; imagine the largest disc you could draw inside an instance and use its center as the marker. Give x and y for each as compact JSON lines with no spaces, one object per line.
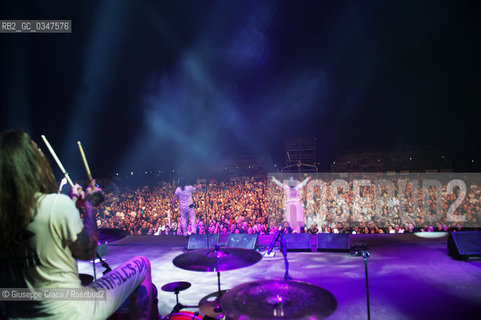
{"x":183,"y":315}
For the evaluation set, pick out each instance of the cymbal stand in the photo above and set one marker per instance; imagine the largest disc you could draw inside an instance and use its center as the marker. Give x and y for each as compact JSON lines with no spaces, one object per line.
{"x":218,"y":308}
{"x":179,"y":306}
{"x":93,"y":265}
{"x":95,"y":271}
{"x":104,"y":264}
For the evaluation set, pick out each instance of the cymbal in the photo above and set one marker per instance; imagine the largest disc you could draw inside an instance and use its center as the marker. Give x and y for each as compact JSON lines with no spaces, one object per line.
{"x":175,"y":286}
{"x":110,"y":235}
{"x":223,"y":259}
{"x":209,"y":304}
{"x":267,"y":299}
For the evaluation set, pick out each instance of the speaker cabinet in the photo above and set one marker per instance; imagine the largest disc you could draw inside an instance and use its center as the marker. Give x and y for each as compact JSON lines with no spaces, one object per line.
{"x":242,"y":240}
{"x":465,"y":245}
{"x":199,"y":241}
{"x":338,"y":242}
{"x":297,"y":241}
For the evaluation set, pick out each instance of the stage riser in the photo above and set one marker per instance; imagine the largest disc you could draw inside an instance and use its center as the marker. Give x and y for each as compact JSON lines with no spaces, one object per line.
{"x":263,"y":241}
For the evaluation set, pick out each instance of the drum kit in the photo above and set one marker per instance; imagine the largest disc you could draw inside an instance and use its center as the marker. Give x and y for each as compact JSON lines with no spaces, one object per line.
{"x":256,"y":300}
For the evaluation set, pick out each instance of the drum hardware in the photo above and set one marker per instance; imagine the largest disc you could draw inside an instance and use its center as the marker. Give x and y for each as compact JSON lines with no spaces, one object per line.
{"x":183,"y":315}
{"x":218,"y":259}
{"x":267,"y":299}
{"x":210,"y":305}
{"x":176,"y":287}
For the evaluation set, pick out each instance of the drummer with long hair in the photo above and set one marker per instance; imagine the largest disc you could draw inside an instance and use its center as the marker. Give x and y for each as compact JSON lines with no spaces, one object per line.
{"x":42,"y":236}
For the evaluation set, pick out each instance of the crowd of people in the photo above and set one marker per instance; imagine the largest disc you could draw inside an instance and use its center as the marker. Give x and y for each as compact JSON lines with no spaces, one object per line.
{"x":258,"y":206}
{"x":223,"y":207}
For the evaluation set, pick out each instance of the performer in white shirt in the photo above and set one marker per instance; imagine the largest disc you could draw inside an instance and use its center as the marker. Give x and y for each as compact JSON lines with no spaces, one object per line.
{"x":186,"y":205}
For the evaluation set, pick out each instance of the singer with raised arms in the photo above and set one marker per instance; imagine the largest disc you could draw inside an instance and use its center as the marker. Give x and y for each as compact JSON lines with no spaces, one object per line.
{"x":293,"y":208}
{"x":42,"y":236}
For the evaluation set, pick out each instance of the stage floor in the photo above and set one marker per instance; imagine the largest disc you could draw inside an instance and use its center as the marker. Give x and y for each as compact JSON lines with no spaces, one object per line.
{"x":409,"y":277}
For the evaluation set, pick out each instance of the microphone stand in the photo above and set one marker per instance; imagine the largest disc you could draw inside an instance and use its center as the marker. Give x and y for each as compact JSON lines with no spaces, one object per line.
{"x":206,"y":228}
{"x":364,"y":253}
{"x":283,"y":249}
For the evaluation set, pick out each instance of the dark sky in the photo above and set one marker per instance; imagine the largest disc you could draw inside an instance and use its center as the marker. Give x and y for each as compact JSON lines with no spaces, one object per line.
{"x":166,"y":84}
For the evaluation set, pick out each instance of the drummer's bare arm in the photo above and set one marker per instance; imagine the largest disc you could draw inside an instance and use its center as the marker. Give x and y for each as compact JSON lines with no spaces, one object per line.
{"x":85,"y":246}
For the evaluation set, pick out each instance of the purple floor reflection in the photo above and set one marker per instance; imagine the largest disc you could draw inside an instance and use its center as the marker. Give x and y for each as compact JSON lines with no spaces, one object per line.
{"x":409,"y":277}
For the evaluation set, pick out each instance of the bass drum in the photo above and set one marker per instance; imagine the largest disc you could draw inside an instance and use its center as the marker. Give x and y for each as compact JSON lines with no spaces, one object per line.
{"x":183,"y":315}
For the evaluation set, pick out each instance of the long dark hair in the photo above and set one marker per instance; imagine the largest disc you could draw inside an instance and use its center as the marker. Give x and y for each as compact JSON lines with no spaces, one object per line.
{"x":183,"y":182}
{"x":24,"y":172}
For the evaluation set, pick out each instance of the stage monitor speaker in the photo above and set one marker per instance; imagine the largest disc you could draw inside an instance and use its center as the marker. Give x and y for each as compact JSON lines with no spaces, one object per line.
{"x":199,"y":241}
{"x":465,"y":245}
{"x":297,"y":241}
{"x":242,"y":240}
{"x":338,"y":242}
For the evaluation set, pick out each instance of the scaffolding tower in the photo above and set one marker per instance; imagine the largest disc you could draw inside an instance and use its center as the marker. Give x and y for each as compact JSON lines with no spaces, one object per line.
{"x":300,"y":155}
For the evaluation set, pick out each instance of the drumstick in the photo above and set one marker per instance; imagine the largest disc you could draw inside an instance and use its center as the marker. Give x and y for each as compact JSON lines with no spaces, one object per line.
{"x":54,"y":155}
{"x":84,"y":159}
